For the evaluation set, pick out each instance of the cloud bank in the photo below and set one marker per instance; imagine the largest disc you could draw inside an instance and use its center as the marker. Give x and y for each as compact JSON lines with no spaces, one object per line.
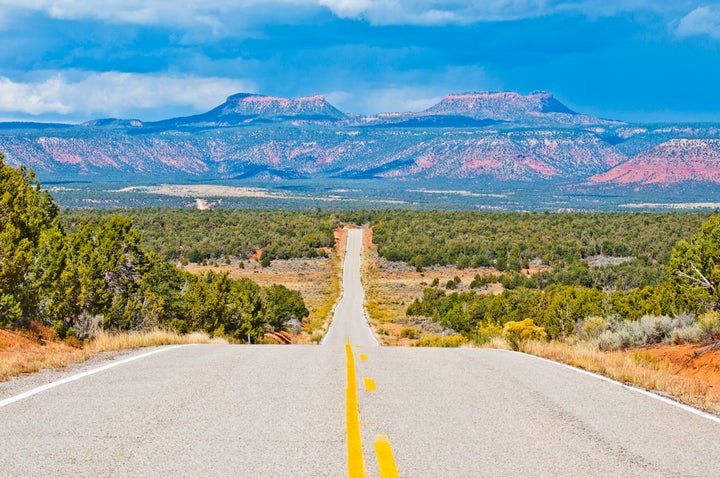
{"x":378,"y":12}
{"x":699,"y":22}
{"x":78,"y":59}
{"x":115,"y":93}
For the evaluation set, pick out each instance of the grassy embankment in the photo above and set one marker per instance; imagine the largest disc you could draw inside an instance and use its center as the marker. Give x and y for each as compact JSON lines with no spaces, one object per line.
{"x":38,"y":349}
{"x":641,"y":368}
{"x":323,"y":307}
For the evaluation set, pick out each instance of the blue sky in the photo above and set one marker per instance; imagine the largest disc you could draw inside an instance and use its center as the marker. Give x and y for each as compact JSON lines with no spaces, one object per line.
{"x":636,"y":60}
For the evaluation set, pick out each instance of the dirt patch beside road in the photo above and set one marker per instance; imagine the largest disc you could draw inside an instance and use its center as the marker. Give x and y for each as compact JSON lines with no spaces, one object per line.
{"x":696,"y":361}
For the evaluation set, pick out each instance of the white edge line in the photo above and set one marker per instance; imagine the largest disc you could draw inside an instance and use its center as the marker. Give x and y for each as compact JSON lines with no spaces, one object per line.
{"x":647,"y":393}
{"x":78,"y":376}
{"x":367,"y":323}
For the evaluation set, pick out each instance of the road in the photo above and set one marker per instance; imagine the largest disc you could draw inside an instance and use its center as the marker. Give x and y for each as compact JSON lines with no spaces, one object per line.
{"x":349,"y":319}
{"x":241,"y":410}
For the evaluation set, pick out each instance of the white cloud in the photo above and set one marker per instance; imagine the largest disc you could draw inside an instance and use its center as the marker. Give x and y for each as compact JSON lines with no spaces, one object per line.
{"x":413,"y":90}
{"x":348,"y":8}
{"x":446,"y":12}
{"x":701,"y":21}
{"x":116,"y":94}
{"x":229,"y":13}
{"x":385,"y":100}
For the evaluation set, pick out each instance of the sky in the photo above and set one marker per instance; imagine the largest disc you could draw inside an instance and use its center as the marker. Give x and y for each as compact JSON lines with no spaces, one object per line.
{"x":633,"y":60}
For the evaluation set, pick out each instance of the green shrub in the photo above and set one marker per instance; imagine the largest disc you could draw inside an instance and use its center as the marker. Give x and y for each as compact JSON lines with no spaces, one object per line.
{"x":591,"y":328}
{"x":649,"y":330}
{"x":180,"y":326}
{"x":709,"y":325}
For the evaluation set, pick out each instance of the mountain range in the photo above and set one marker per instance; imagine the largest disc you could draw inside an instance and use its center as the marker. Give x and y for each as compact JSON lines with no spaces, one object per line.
{"x":486,"y":136}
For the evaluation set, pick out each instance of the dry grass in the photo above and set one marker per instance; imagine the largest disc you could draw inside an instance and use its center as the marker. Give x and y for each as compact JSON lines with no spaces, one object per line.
{"x":497,"y":342}
{"x":52,"y":355}
{"x":22,"y":354}
{"x":105,"y":341}
{"x":635,"y":367}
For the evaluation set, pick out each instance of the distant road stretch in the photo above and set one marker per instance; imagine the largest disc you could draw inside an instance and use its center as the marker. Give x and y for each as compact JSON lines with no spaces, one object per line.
{"x":246,"y":410}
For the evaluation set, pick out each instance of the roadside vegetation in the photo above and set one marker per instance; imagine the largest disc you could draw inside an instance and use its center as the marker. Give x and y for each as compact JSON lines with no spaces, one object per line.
{"x":602,"y":314}
{"x":682,"y":307}
{"x":97,"y":276}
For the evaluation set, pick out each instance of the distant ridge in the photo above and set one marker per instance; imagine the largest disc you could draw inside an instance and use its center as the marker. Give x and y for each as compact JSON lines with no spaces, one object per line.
{"x":540,"y":106}
{"x":488,"y":136}
{"x":674,"y":161}
{"x":248,"y":104}
{"x":246,"y":108}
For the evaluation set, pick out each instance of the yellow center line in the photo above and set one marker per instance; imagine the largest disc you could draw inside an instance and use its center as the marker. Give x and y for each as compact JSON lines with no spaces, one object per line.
{"x":363,"y":357}
{"x":369,"y":384}
{"x":356,"y":464}
{"x":386,"y":461}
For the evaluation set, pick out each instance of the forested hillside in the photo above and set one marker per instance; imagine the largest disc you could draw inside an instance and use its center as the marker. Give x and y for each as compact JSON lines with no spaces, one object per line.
{"x":98,"y":275}
{"x":508,"y":241}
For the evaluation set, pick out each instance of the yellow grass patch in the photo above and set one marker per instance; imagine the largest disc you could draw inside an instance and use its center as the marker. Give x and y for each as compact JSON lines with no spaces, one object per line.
{"x":105,"y":341}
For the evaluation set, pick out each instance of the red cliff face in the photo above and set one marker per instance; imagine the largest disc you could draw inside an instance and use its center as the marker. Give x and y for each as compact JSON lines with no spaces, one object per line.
{"x":674,"y":161}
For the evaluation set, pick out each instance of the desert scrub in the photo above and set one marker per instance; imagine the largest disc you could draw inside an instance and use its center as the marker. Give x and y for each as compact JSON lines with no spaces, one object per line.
{"x":410,"y":332}
{"x":709,"y":325}
{"x":437,"y":340}
{"x":650,"y":330}
{"x":517,"y":333}
{"x":320,"y":316}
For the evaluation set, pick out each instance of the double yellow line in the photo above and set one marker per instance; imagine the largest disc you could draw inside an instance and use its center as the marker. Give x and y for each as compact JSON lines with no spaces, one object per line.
{"x":356,"y":463}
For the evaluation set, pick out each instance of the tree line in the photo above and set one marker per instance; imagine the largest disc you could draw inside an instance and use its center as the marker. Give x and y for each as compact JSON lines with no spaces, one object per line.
{"x":195,"y":236}
{"x":507,"y":242}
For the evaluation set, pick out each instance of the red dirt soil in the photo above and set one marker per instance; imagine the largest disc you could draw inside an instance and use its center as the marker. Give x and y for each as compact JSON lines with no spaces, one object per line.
{"x":695,"y":361}
{"x":12,"y":342}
